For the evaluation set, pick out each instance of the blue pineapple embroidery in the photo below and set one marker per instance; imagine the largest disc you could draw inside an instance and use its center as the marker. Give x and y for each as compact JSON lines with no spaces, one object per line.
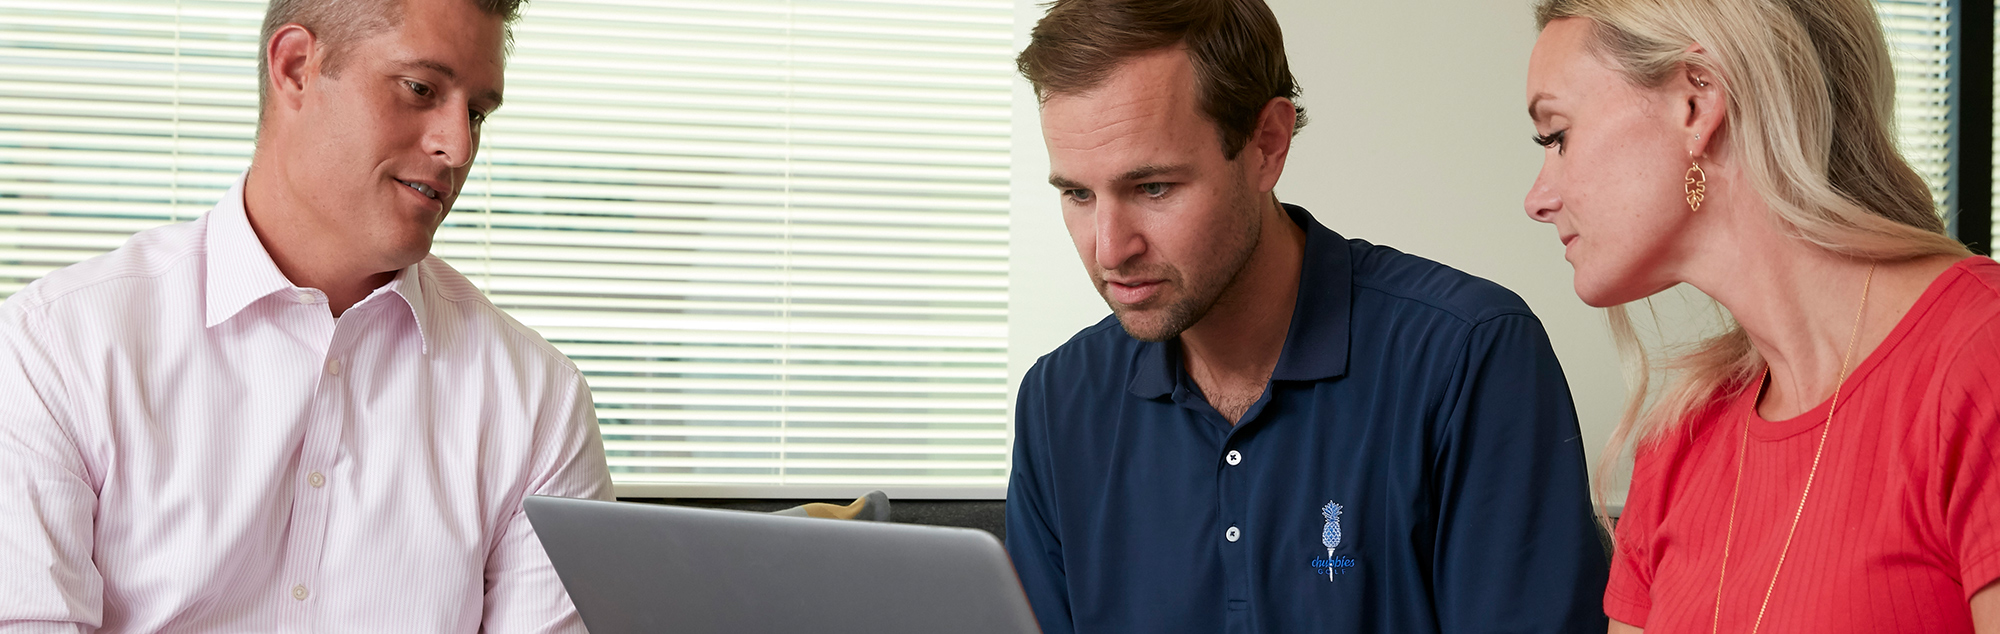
{"x":1330,"y":533}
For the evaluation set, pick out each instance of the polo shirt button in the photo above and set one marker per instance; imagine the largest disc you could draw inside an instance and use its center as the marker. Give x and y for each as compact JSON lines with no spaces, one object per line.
{"x":1234,"y":458}
{"x":1232,"y":534}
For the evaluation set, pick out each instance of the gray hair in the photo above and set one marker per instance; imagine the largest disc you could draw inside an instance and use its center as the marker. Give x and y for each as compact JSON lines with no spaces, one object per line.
{"x":338,"y":24}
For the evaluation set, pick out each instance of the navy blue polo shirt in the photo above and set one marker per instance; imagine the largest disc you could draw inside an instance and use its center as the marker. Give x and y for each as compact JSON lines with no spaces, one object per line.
{"x":1414,"y":465}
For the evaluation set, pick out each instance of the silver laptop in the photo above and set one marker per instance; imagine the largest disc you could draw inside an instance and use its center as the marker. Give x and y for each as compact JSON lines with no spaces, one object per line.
{"x":650,"y":568}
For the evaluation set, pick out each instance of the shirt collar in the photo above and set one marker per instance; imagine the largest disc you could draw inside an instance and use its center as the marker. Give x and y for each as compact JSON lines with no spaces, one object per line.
{"x":240,"y":270}
{"x":1316,"y":342}
{"x":409,"y":285}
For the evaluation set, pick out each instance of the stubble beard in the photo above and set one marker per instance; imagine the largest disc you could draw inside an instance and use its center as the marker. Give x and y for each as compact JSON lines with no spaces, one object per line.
{"x":1202,"y":292}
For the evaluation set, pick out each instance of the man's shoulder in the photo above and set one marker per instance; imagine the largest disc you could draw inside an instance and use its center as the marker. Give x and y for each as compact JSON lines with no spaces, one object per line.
{"x":1385,"y":278}
{"x":1102,"y":343}
{"x":465,"y":318}
{"x":143,"y":259}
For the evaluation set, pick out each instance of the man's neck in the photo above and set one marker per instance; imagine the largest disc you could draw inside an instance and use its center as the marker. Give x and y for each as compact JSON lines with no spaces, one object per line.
{"x":308,"y":262}
{"x":1232,"y":352}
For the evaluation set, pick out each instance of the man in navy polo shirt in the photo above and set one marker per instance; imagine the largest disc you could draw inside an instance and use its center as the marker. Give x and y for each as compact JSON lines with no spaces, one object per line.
{"x":1279,"y":429}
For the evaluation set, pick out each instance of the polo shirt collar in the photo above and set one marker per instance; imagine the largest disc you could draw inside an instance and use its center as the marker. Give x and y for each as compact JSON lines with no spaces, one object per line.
{"x":1315,"y":343}
{"x":240,"y":271}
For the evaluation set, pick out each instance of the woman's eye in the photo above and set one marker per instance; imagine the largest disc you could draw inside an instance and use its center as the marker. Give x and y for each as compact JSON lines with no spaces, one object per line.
{"x":1154,"y":190}
{"x":1552,"y":139}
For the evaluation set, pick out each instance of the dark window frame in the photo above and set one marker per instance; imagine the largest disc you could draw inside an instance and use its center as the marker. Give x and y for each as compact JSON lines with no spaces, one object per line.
{"x":1969,"y":213}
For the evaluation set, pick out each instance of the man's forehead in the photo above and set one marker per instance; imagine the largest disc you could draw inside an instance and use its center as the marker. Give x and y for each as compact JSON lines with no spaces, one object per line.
{"x":453,"y":36}
{"x":1136,"y":99}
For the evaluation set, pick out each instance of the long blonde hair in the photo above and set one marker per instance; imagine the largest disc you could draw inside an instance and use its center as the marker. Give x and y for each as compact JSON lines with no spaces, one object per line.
{"x":1811,"y":98}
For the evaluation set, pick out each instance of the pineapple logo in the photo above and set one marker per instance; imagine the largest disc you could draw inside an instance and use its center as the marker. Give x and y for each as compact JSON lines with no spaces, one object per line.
{"x":1329,"y":534}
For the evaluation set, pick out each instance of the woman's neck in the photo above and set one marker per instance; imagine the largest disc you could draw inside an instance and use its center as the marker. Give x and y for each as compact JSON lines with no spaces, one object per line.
{"x":1802,"y":306}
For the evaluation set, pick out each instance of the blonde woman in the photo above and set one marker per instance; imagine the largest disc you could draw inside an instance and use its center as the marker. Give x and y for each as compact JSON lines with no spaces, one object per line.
{"x":1831,"y":463}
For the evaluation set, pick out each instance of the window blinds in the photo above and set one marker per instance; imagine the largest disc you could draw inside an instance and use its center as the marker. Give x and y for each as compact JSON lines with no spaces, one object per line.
{"x":773,"y":234}
{"x":1919,"y":37}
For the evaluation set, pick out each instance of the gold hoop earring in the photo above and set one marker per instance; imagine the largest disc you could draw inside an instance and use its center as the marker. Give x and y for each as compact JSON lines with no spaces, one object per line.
{"x":1696,"y":186}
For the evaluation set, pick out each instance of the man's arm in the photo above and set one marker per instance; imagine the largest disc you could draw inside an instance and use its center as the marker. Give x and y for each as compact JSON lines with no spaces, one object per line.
{"x":1031,"y":539}
{"x":47,"y":504}
{"x":1517,"y":549}
{"x":523,"y":593}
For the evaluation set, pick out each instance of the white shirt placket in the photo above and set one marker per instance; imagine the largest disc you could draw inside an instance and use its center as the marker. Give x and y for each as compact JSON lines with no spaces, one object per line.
{"x":313,"y":487}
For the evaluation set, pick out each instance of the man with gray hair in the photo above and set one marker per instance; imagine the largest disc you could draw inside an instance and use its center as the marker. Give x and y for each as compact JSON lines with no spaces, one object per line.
{"x":287,"y":415}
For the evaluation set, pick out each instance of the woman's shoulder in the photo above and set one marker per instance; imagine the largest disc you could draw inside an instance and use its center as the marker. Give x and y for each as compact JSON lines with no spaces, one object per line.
{"x":1965,"y":298}
{"x":1962,"y":321}
{"x":1663,"y":454}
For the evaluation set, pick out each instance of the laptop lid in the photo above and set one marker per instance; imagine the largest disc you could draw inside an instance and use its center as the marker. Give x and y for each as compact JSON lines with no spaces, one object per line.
{"x":651,"y":568}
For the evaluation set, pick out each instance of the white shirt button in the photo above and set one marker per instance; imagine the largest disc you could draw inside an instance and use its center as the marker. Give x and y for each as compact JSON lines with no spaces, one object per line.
{"x":333,"y":367}
{"x":1232,"y":534}
{"x":1234,"y":458}
{"x":299,"y":592}
{"x":316,"y":480}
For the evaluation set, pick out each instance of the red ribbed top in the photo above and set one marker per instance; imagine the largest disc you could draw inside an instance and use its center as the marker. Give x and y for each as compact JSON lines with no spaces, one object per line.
{"x":1903,"y":524}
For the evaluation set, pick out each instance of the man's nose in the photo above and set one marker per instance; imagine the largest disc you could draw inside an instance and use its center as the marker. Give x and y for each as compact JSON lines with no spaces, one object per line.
{"x":1118,"y":236}
{"x":452,"y":138}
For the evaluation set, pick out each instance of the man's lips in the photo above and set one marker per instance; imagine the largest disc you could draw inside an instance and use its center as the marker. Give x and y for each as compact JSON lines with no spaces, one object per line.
{"x":427,"y":191}
{"x":1130,"y":292}
{"x":1568,"y":239}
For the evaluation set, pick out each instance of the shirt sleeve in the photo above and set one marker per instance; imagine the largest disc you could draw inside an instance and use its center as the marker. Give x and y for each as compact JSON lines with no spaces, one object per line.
{"x":47,"y":503}
{"x":1968,"y":477}
{"x":523,"y":593}
{"x":1517,"y":548}
{"x":1628,"y":597}
{"x":1032,"y":542}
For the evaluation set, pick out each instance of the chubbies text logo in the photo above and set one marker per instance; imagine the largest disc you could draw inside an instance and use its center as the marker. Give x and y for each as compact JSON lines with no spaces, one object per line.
{"x":1331,"y":566}
{"x":1329,"y":536}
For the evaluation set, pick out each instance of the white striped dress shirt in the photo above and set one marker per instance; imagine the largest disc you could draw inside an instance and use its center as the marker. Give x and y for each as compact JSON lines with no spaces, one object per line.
{"x":190,"y":443}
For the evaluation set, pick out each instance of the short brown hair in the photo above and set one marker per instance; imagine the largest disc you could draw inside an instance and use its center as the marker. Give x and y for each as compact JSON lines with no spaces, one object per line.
{"x":338,"y":24}
{"x":1235,"y":46}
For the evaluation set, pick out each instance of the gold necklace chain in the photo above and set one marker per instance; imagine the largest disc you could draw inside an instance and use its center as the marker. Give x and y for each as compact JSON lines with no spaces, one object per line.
{"x":1742,"y":447}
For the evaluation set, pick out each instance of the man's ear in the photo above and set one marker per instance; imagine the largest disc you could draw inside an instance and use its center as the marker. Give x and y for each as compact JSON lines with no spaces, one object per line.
{"x":1271,"y":142}
{"x":292,"y":57}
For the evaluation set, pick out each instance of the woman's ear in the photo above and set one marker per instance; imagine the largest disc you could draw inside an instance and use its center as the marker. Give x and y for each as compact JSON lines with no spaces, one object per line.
{"x":1702,"y":92}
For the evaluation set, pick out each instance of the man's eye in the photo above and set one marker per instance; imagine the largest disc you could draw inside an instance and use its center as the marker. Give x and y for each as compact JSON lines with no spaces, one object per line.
{"x":419,"y":88}
{"x":1154,"y":190}
{"x":1078,"y":195}
{"x":476,"y":116}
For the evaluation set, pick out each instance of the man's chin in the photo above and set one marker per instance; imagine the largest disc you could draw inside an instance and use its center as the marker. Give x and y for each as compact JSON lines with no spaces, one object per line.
{"x":1147,"y":325}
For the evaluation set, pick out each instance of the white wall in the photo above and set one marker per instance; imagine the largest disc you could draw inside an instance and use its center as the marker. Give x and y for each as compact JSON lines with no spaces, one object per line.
{"x":1418,"y":140}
